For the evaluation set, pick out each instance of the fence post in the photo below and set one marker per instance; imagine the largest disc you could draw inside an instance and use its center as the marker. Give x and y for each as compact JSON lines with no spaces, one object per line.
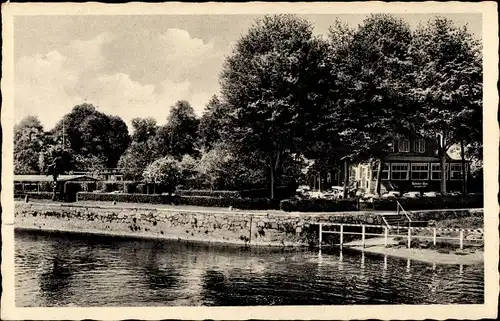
{"x":341,"y":235}
{"x":434,"y":237}
{"x":409,"y":237}
{"x":462,"y":239}
{"x":320,"y":234}
{"x":363,"y":235}
{"x":386,"y":232}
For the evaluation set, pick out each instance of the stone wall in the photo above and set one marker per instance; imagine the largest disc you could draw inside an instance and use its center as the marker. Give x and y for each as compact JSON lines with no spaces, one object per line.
{"x":236,"y":227}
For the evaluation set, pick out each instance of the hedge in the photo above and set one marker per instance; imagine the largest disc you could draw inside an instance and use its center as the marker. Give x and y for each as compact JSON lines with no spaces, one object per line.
{"x":208,"y":192}
{"x":126,"y":198}
{"x":34,"y":195}
{"x":444,"y":202}
{"x":206,"y":201}
{"x":318,"y":205}
{"x":279,"y":192}
{"x":236,"y":202}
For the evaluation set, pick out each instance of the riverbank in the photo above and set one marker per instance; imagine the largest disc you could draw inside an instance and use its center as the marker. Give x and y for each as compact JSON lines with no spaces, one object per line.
{"x":239,"y":227}
{"x":467,"y":256}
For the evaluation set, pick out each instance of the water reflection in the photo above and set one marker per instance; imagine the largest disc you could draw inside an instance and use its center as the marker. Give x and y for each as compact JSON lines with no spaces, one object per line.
{"x":55,"y":270}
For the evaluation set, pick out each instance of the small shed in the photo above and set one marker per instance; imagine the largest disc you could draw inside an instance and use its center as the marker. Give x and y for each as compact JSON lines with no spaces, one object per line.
{"x":37,"y":183}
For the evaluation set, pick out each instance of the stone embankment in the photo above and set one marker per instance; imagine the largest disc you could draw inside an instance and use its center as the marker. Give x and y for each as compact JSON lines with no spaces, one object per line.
{"x":259,"y":228}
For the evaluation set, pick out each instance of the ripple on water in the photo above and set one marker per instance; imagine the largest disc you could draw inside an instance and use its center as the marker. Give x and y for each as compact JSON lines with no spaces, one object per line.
{"x":71,"y":270}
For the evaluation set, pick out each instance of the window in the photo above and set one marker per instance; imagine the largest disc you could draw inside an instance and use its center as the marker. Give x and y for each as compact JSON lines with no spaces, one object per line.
{"x":385,"y":172}
{"x":436,"y":171}
{"x":400,"y":171}
{"x":420,"y":172}
{"x":419,"y":146}
{"x":404,"y":145}
{"x":456,"y":171}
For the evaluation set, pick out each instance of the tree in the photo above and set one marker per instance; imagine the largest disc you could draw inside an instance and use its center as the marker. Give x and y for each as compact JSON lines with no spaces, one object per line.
{"x":92,"y":134}
{"x":182,"y":128}
{"x":449,"y":86}
{"x":212,"y":123}
{"x":142,"y":150}
{"x":164,"y":171}
{"x":29,"y":141}
{"x":374,"y":104}
{"x":277,"y":84}
{"x":54,"y":161}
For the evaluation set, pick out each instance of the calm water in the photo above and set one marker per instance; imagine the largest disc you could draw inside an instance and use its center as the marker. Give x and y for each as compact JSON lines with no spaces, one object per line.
{"x":77,"y":270}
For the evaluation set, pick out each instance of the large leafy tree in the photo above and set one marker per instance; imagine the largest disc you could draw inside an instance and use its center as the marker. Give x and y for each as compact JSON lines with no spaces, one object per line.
{"x":449,"y":86}
{"x":277,"y":84}
{"x":92,"y":135}
{"x":182,"y":130}
{"x":212,"y":123}
{"x":375,"y":67}
{"x":29,"y":140}
{"x":164,"y":171}
{"x":142,"y":150}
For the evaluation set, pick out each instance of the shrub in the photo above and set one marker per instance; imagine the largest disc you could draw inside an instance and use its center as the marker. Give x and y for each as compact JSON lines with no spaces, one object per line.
{"x":211,"y":193}
{"x":206,"y":201}
{"x":279,"y":192}
{"x":318,"y":205}
{"x":236,"y":202}
{"x":34,"y":195}
{"x":445,"y":202}
{"x":126,"y":198}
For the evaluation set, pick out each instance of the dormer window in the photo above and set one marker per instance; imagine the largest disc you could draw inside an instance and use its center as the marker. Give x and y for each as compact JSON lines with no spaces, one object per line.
{"x":404,"y":145}
{"x":419,"y":146}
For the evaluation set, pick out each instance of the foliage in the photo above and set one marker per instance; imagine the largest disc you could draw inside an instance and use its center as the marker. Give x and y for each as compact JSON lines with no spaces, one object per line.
{"x":29,"y":141}
{"x":142,"y":151}
{"x":165,"y":171}
{"x":208,"y":192}
{"x":212,"y":123}
{"x":375,"y":67}
{"x":449,"y":80}
{"x":90,"y":133}
{"x":276,"y":84}
{"x":235,"y":202}
{"x":182,"y":131}
{"x":220,"y":169}
{"x":55,"y":160}
{"x":444,"y":202}
{"x":318,"y":205}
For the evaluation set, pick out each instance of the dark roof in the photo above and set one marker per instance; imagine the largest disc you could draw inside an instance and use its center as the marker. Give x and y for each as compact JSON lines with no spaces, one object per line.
{"x":48,"y":178}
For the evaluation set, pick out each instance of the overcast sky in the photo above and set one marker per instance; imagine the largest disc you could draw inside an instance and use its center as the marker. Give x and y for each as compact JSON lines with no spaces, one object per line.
{"x":136,"y":66}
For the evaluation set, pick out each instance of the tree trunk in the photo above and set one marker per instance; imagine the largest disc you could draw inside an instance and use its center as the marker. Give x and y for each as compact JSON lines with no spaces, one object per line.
{"x":271,"y":163}
{"x":346,"y":177}
{"x":379,"y":176}
{"x":443,"y":171}
{"x":464,"y":174}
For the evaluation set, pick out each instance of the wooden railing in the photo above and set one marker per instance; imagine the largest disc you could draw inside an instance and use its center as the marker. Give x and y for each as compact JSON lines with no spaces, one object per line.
{"x":386,"y":233}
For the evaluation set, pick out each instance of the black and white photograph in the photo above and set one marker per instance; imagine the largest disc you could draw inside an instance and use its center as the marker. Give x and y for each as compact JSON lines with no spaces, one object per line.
{"x":297,"y":161}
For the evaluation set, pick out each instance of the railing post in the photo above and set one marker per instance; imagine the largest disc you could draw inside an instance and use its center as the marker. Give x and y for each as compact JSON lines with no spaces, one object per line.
{"x":462,"y":239}
{"x":409,"y":237}
{"x":386,"y":232}
{"x":434,"y":237}
{"x":320,"y":234}
{"x":363,"y":235}
{"x":341,"y":235}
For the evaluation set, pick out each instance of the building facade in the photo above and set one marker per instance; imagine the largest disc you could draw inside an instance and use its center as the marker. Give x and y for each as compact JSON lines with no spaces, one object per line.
{"x":412,"y":165}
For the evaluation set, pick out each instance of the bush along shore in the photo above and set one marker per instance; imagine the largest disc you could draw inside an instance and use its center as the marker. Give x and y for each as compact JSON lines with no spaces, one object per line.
{"x":255,"y":200}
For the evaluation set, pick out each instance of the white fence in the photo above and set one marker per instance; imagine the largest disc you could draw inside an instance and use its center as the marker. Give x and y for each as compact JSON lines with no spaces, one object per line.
{"x":411,"y":233}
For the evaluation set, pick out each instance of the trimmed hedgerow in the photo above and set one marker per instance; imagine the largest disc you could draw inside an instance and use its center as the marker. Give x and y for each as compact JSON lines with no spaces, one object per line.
{"x":318,"y":205}
{"x":34,"y":195}
{"x":126,"y":198}
{"x":279,"y":193}
{"x":207,"y":192}
{"x":205,"y":201}
{"x":444,"y":202}
{"x":236,"y":202}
